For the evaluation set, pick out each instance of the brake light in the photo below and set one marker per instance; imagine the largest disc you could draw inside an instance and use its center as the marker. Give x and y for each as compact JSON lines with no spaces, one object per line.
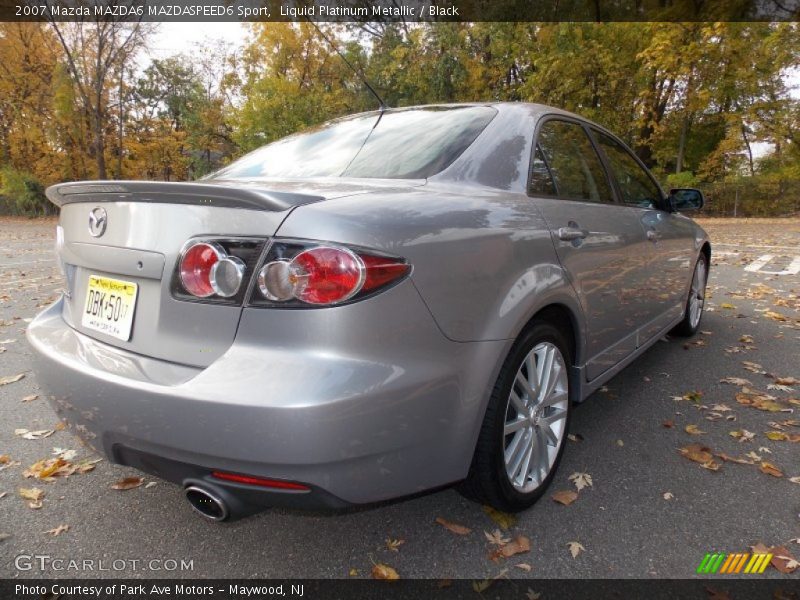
{"x":206,"y":270}
{"x":326,"y":275}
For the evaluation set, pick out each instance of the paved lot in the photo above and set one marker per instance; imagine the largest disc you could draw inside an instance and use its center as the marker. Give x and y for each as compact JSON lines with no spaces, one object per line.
{"x":649,"y":513}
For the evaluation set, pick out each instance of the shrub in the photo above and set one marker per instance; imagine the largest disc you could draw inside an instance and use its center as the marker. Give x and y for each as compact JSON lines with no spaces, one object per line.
{"x":24,"y":194}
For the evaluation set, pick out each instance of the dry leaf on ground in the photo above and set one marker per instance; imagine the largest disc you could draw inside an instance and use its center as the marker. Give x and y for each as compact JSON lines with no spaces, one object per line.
{"x":518,"y":545}
{"x":581,"y":480}
{"x":496,"y":538}
{"x":700,"y":454}
{"x":503,"y":519}
{"x":770,"y":469}
{"x":381,"y":571}
{"x":565,"y":497}
{"x":11,"y":378}
{"x":454,"y":527}
{"x":58,"y":530}
{"x":34,"y":496}
{"x":394,"y":545}
{"x":575,"y":548}
{"x":128,"y":483}
{"x":693,"y":430}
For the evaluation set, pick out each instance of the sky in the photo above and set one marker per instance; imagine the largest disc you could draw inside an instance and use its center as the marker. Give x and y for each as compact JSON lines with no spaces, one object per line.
{"x":176,"y":38}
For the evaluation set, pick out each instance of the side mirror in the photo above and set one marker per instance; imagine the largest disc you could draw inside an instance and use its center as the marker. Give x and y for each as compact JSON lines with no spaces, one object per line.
{"x":686,"y":199}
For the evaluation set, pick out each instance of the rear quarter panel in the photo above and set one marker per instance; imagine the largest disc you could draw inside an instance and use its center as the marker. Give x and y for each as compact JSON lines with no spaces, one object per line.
{"x":483,"y":260}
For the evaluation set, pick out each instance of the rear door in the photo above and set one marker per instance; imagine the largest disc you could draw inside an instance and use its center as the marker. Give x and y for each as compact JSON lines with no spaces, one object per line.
{"x":600,"y":242}
{"x":670,"y":236}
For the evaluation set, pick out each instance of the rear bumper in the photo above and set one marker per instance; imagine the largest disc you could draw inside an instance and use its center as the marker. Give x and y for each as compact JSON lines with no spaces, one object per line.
{"x":362,"y":403}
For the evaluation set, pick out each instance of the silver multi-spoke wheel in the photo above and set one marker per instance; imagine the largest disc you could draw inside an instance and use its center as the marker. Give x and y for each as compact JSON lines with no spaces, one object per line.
{"x":697,"y":294}
{"x":536,"y":417}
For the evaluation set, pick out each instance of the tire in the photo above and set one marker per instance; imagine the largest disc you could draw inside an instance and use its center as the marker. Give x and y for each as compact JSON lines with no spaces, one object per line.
{"x":489,"y":480}
{"x":697,"y":294}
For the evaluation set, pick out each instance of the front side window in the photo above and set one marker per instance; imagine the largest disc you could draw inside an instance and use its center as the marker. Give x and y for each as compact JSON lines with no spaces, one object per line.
{"x":399,"y":144}
{"x":575,"y":168}
{"x":636,"y":186}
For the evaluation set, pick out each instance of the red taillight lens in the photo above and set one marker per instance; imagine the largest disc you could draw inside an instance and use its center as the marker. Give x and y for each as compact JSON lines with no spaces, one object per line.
{"x":326,"y":275}
{"x":195,"y":269}
{"x":381,"y":270}
{"x":278,"y":484}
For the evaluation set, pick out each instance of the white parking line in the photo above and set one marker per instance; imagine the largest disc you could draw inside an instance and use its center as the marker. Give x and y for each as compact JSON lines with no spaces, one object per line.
{"x":757,"y":266}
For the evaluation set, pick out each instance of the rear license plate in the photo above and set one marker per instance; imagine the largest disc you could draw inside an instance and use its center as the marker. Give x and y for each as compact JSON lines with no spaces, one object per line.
{"x":110,"y":304}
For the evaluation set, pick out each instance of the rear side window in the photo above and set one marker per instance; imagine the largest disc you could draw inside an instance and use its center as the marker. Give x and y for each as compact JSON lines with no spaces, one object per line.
{"x":576,"y":171}
{"x":636,"y":186}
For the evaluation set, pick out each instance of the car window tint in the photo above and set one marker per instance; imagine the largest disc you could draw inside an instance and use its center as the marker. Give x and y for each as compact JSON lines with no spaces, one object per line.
{"x":541,"y":183}
{"x":400,"y":144}
{"x":574,"y":165}
{"x":636,"y":186}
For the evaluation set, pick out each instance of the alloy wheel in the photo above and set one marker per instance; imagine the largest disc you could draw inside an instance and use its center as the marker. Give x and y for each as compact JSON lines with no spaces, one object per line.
{"x":535,"y":423}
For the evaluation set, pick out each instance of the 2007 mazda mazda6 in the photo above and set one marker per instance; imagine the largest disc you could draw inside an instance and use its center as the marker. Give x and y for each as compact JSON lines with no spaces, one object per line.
{"x":387,"y":303}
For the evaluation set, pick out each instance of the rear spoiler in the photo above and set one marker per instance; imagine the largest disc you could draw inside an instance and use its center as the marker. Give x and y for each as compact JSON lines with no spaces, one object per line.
{"x":202,"y":194}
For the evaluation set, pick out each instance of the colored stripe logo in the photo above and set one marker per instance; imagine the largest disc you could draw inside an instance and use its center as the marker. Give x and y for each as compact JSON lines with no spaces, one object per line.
{"x":722,"y":563}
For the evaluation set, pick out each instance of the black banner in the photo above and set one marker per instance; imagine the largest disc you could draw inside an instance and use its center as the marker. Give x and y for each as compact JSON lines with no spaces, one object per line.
{"x":400,"y":10}
{"x":445,"y":589}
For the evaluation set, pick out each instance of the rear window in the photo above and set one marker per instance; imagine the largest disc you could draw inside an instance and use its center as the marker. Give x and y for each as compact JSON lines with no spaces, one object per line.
{"x":399,"y":144}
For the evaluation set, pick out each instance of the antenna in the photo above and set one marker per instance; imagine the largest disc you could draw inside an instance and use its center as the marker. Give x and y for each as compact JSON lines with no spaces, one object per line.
{"x":359,"y":72}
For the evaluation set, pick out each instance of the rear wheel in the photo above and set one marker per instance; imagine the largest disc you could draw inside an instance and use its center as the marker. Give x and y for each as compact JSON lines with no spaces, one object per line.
{"x":522,"y":436}
{"x":696,"y":301}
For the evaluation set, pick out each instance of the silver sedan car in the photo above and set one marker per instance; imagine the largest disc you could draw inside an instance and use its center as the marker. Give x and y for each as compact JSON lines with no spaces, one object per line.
{"x":382,"y":305}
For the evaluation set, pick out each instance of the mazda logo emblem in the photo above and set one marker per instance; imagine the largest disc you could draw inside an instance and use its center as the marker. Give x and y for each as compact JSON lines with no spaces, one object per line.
{"x":98,"y":219}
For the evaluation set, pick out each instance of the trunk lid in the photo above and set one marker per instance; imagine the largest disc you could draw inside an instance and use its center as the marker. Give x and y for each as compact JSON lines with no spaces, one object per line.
{"x":146,"y":224}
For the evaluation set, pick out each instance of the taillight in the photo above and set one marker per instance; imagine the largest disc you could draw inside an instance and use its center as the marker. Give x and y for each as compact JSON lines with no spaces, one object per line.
{"x":207,"y":270}
{"x":297,"y":274}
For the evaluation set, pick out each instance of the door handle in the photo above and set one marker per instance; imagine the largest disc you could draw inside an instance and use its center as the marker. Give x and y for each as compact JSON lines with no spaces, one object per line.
{"x":569,"y":234}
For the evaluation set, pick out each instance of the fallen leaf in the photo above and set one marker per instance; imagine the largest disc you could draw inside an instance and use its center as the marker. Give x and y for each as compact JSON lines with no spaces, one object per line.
{"x":693,"y":396}
{"x":381,"y":571}
{"x":150,"y":484}
{"x":779,"y":387}
{"x":727,"y":458}
{"x":353,"y":573}
{"x":128,"y":483}
{"x":519,"y":545}
{"x":742,"y":435}
{"x":720,"y":407}
{"x":531,"y":595}
{"x":503,"y":519}
{"x":668,"y":495}
{"x":787,"y":381}
{"x":574,"y":437}
{"x":669,"y":424}
{"x":11,"y":378}
{"x":34,"y":435}
{"x":30,"y":398}
{"x":565,"y":497}
{"x":47,"y":469}
{"x":782,"y":560}
{"x":496,"y":538}
{"x":58,"y":530}
{"x":4,"y":459}
{"x":581,"y":480}
{"x":394,"y":545}
{"x":34,"y":496}
{"x":454,"y":527}
{"x":4,"y":494}
{"x":575,"y":548}
{"x":727,"y":306}
{"x":693,"y":430}
{"x":780,"y":436}
{"x":746,"y":339}
{"x":794,"y":479}
{"x":524,"y":567}
{"x":700,"y":454}
{"x":753,"y":367}
{"x":775,"y":316}
{"x":770,"y":469}
{"x":735,"y":381}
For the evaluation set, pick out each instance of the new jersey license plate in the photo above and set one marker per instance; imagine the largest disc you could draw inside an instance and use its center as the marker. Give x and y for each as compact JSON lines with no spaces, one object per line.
{"x":110,"y":304}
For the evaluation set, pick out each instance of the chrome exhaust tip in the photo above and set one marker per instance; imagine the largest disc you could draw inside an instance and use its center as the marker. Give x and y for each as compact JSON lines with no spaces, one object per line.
{"x":207,"y":503}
